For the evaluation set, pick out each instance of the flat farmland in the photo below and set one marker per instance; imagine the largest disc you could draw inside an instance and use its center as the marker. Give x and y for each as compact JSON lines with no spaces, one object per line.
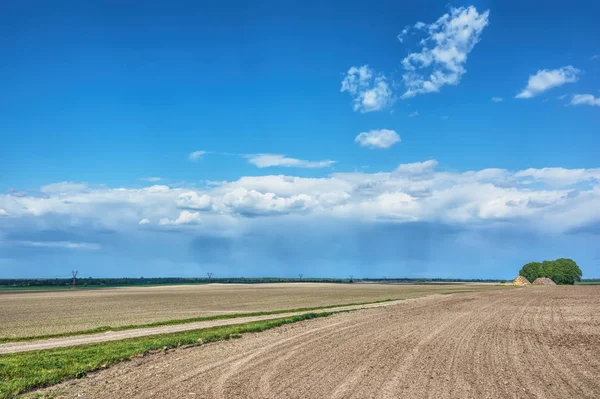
{"x":30,"y":313}
{"x":535,"y":342}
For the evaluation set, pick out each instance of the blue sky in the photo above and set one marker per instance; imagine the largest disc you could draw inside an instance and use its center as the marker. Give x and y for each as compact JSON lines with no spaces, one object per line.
{"x":276,"y":138}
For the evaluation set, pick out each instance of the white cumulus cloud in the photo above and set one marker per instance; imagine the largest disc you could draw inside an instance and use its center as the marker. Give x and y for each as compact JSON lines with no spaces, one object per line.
{"x":193,"y":200}
{"x":270,"y":160}
{"x":547,"y":79}
{"x":369,"y":91}
{"x":253,"y":203}
{"x":382,"y":138}
{"x":585,"y":99}
{"x":444,"y":50}
{"x":185,"y":217}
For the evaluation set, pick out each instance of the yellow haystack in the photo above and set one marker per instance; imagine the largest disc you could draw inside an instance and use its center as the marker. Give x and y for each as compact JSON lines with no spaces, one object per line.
{"x":520,"y":280}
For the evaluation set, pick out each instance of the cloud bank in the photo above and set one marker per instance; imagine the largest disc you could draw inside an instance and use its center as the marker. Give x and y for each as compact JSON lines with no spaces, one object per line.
{"x":411,"y":192}
{"x":407,"y":221}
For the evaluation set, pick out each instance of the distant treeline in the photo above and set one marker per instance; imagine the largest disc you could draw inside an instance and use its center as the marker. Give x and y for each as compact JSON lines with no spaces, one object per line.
{"x":99,"y":282}
{"x":128,"y":281}
{"x":590,"y":281}
{"x":431,"y":280}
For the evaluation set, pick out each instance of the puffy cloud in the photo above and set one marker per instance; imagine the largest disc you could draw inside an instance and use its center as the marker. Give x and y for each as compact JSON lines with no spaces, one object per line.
{"x":497,"y":99}
{"x":196,"y":155}
{"x":444,"y":51}
{"x":3,"y":212}
{"x":370,"y":92}
{"x":253,"y":203}
{"x":193,"y":200}
{"x":547,"y":79}
{"x":333,"y":198}
{"x":357,"y":78}
{"x":587,"y":99}
{"x":382,"y":138}
{"x":185,"y":217}
{"x":144,"y":221}
{"x":271,"y":160}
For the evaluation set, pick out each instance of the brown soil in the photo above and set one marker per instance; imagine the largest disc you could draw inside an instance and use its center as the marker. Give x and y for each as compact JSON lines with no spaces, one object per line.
{"x":525,"y":343}
{"x":38,"y":313}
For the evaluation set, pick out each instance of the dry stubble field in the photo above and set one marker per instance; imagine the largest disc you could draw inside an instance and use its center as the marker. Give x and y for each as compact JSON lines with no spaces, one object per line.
{"x":28,"y":313}
{"x":535,"y":342}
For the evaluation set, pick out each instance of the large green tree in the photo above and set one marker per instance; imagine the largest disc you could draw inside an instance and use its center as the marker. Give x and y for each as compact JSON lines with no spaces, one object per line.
{"x":565,"y":271}
{"x":532,"y":270}
{"x":561,"y":271}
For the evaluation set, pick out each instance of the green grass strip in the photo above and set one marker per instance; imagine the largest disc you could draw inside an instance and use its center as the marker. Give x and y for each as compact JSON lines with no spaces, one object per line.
{"x":183,"y":321}
{"x":22,"y":372}
{"x":455,"y":292}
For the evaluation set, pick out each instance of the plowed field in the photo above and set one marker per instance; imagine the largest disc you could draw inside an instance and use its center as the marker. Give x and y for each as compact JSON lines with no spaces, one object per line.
{"x":536,"y":342}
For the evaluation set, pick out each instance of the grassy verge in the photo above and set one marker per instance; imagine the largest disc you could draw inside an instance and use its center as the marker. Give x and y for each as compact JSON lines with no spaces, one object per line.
{"x":182,"y":321}
{"x":455,"y":292}
{"x":21,"y":372}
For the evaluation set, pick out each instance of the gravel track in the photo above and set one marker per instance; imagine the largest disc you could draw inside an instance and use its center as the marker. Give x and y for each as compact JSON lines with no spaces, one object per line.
{"x":538,"y":342}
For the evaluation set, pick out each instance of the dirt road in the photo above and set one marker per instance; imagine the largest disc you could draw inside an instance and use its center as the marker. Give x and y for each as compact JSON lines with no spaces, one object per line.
{"x":539,"y":342}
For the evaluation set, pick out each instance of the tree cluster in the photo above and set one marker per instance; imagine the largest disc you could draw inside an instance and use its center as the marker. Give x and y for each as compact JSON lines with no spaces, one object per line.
{"x":561,"y":271}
